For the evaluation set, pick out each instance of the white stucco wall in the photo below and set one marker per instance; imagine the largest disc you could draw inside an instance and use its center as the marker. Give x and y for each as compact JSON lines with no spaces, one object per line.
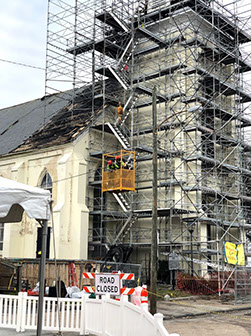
{"x":67,"y":166}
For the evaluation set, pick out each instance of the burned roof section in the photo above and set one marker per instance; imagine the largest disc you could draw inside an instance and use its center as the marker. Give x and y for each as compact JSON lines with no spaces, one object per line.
{"x":46,"y":122}
{"x":52,"y":120}
{"x":65,"y":125}
{"x":19,"y":122}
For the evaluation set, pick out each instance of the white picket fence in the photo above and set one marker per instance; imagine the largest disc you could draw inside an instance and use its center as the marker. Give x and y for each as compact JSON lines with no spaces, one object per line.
{"x":99,"y":317}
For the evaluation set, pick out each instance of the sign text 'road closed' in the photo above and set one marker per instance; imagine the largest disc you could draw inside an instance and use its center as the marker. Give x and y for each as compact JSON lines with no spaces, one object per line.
{"x":107,"y":284}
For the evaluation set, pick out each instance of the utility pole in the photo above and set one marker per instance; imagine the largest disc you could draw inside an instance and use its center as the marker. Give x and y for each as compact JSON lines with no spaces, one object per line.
{"x":154,"y":267}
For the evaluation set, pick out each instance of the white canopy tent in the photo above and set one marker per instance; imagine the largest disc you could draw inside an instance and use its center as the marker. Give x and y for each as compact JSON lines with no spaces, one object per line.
{"x":15,"y":198}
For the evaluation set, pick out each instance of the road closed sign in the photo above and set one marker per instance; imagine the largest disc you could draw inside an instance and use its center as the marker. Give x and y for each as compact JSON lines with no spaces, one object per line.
{"x":107,"y":284}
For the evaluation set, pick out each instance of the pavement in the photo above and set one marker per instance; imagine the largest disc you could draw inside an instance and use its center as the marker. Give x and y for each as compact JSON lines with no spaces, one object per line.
{"x":184,"y":316}
{"x":195,"y":306}
{"x":197,"y":317}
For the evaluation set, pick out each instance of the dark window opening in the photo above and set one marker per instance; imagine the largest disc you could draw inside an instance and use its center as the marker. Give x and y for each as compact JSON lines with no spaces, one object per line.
{"x":47,"y":182}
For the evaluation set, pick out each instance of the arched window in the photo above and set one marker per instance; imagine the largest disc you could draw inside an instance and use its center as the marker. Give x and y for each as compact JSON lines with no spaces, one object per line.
{"x":47,"y":182}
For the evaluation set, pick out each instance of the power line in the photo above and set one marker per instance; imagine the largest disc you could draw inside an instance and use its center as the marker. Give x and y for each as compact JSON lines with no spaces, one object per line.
{"x":70,"y":177}
{"x":22,"y":64}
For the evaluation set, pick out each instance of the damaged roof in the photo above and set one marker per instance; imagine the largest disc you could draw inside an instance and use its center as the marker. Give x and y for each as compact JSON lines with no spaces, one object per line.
{"x":49,"y":121}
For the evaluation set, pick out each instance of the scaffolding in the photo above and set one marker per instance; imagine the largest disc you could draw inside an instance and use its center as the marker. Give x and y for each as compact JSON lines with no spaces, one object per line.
{"x":194,"y":52}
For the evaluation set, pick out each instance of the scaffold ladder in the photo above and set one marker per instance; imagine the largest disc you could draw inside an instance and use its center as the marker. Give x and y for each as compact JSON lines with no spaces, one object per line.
{"x":72,"y":276}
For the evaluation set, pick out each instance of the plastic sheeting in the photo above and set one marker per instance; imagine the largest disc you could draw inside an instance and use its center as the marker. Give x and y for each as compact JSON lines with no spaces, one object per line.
{"x":16,"y":197}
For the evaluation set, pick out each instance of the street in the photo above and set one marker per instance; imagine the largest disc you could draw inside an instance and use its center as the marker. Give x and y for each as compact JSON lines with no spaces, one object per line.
{"x":224,"y":324}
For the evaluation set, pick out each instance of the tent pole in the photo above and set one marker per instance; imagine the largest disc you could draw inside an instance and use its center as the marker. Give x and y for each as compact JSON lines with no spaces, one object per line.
{"x":44,"y":224}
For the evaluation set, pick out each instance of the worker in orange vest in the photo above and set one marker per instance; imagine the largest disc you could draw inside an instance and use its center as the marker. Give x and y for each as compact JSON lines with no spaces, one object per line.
{"x":120,"y":111}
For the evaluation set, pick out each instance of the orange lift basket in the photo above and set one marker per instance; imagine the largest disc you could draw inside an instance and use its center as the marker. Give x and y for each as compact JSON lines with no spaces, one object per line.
{"x":118,"y":171}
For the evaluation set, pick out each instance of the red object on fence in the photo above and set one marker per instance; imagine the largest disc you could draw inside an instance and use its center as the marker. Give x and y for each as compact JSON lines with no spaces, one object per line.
{"x":31,"y":293}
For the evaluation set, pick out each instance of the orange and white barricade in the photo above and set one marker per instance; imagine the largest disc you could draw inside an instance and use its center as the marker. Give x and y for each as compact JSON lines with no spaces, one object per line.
{"x":144,"y":295}
{"x":89,"y":289}
{"x":88,"y":275}
{"x":125,"y":291}
{"x":126,"y":276}
{"x":123,"y":276}
{"x":140,"y":296}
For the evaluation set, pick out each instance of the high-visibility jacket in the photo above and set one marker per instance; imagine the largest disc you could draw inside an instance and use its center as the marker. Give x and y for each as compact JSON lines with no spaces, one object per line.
{"x":119,"y":164}
{"x":111,"y":166}
{"x":120,"y":110}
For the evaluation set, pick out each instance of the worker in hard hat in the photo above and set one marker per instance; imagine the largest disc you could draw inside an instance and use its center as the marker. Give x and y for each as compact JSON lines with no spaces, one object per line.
{"x":110,"y":166}
{"x":120,"y":111}
{"x":120,"y":163}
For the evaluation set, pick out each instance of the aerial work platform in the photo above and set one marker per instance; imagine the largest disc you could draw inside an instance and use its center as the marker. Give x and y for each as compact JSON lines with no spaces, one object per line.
{"x":118,"y":172}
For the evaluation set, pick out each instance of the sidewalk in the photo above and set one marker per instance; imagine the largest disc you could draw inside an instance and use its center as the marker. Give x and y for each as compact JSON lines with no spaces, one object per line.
{"x":176,"y":309}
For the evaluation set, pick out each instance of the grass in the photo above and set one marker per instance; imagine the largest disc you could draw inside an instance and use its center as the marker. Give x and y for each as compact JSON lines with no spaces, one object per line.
{"x":162,"y":291}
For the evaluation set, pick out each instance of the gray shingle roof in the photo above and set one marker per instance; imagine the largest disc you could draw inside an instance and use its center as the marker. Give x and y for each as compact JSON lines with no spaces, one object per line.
{"x":19,"y":122}
{"x":50,"y":121}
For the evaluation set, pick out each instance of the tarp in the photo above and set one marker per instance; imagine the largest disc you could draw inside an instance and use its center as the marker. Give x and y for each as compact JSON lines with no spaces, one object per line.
{"x":16,"y":197}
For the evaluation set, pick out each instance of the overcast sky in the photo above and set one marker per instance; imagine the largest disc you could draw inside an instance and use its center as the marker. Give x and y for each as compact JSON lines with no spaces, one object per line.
{"x":23,"y":40}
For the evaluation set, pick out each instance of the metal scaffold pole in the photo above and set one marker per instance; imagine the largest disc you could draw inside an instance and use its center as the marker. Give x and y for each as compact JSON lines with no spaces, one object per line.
{"x":154,"y":267}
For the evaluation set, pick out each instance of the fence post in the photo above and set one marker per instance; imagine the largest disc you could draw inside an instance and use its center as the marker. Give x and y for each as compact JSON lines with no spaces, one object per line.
{"x":123,"y":300}
{"x":158,"y":320}
{"x":143,"y":310}
{"x":83,"y":315}
{"x":103,"y":318}
{"x":144,"y":306}
{"x":21,"y":311}
{"x":23,"y":316}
